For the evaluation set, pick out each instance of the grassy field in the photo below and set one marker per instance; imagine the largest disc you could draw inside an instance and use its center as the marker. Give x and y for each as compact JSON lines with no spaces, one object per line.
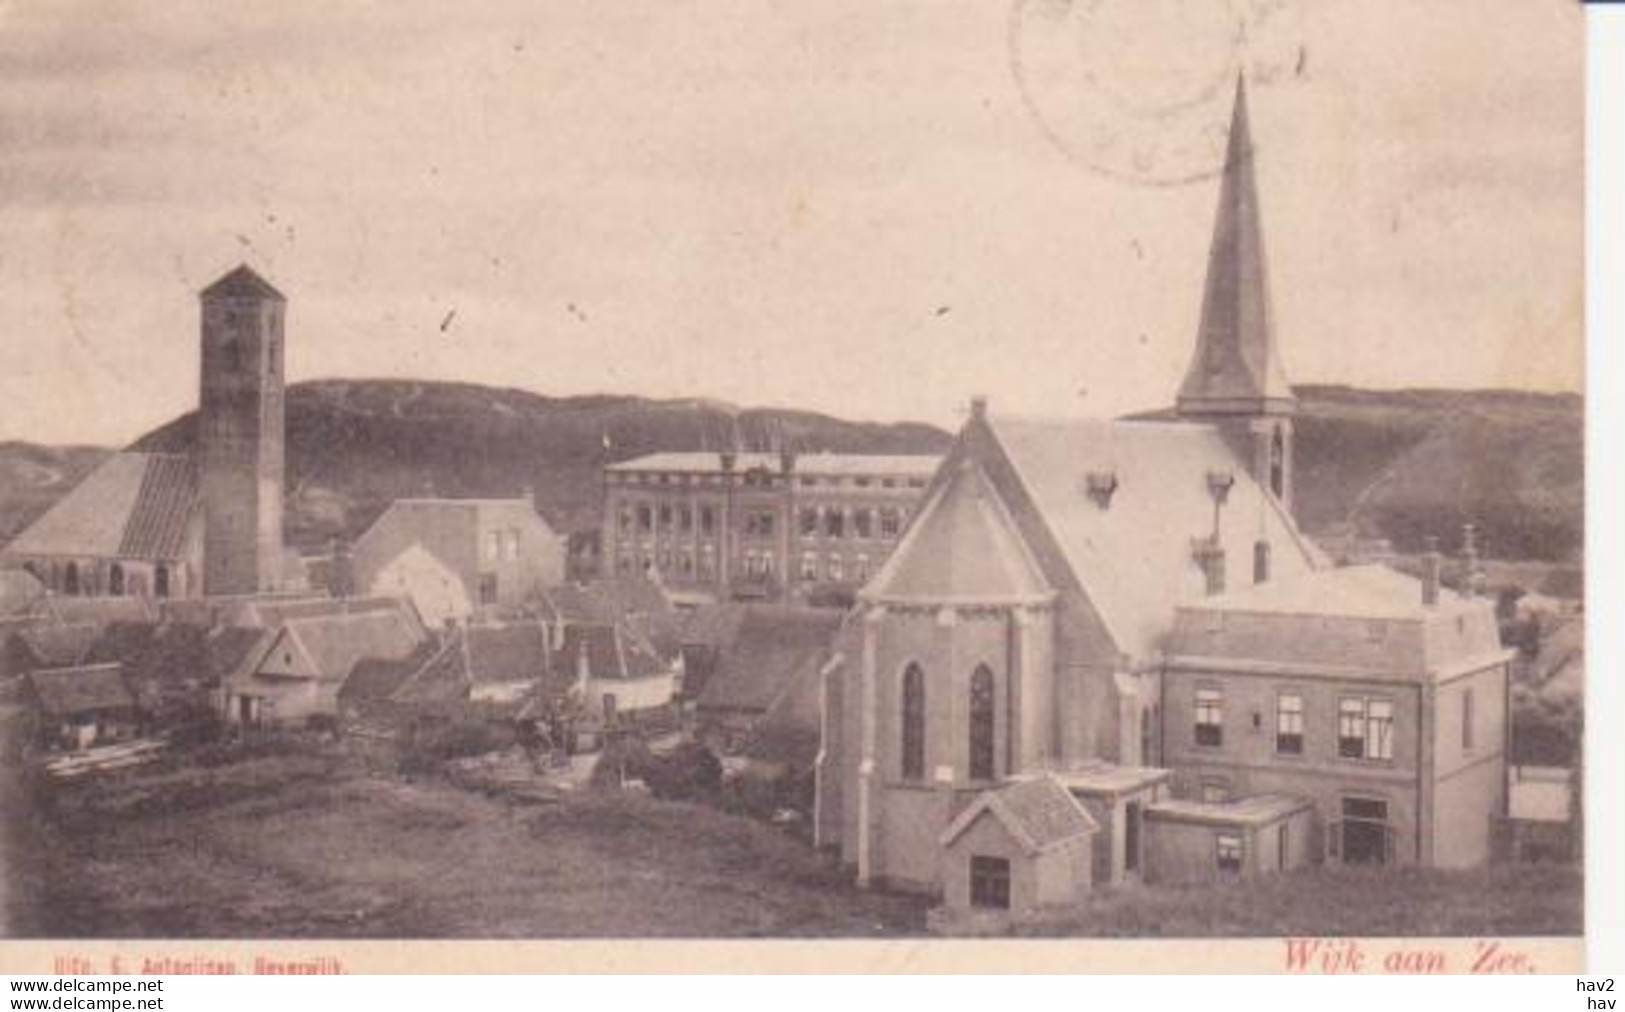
{"x":1521,"y":900}
{"x":298,"y":847}
{"x":309,"y":845}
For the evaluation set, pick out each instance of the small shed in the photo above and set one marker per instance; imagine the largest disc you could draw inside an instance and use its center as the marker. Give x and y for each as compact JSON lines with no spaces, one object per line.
{"x":1194,"y":842}
{"x":1018,"y":849}
{"x":75,"y":708}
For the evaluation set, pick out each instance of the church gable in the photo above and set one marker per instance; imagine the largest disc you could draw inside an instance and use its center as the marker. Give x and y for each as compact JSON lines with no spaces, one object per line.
{"x":963,"y":546}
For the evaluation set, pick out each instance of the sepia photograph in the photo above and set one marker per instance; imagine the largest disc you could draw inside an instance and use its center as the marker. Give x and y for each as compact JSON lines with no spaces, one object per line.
{"x":536,"y":470}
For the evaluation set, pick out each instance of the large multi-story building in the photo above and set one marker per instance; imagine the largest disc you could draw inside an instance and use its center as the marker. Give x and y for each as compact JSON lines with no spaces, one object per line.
{"x":758,"y":525}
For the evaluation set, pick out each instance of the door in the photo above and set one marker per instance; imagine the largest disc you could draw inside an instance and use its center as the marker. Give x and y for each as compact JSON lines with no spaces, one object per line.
{"x":1364,"y":831}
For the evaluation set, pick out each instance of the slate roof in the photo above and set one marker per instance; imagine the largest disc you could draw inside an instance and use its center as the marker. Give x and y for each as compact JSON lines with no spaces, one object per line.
{"x":59,"y":645}
{"x":270,"y":613}
{"x":638,"y":603}
{"x":487,"y":654}
{"x":68,"y":691}
{"x":821,"y":464}
{"x":774,"y":650}
{"x":133,"y":506}
{"x":1133,"y":559}
{"x":1236,"y":365}
{"x":374,"y":679}
{"x":1037,"y":811}
{"x":241,"y":282}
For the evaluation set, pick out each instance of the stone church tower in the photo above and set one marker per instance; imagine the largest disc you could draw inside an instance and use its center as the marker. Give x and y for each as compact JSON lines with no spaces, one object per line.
{"x":241,"y":434}
{"x":1235,"y":379}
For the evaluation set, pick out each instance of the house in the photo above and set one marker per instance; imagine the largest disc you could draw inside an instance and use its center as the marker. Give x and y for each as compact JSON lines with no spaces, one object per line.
{"x":641,"y":605}
{"x":1129,"y":608}
{"x":176,"y":670}
{"x":1381,"y":699}
{"x":1018,"y":850}
{"x":76,"y":707}
{"x":765,"y":672}
{"x":296,"y":672}
{"x":494,"y":667}
{"x":454,"y":557}
{"x":162,"y":525}
{"x":618,"y":676}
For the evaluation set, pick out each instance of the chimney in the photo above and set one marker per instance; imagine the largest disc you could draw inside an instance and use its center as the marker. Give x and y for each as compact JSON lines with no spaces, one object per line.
{"x":1432,"y":570}
{"x":1473,"y":579}
{"x":978,"y":406}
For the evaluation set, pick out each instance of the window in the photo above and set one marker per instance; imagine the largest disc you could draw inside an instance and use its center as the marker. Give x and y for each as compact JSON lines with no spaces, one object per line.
{"x":708,"y":564}
{"x":834,"y":524}
{"x":981,"y":725}
{"x":1261,"y":562}
{"x":625,"y":520}
{"x":511,"y":545}
{"x":708,"y":520}
{"x":809,"y":523}
{"x":1365,"y":728}
{"x":70,"y":579}
{"x":836,"y":569}
{"x":623,"y":562}
{"x":646,"y":519}
{"x":913,"y":723}
{"x":493,"y":545}
{"x":115,"y":580}
{"x":863,"y":524}
{"x":890,"y":524}
{"x":488,"y":588}
{"x":809,"y":566}
{"x":1278,"y":462}
{"x":1467,"y":720}
{"x":685,"y":519}
{"x":759,"y":523}
{"x":860,"y":569}
{"x":1283,"y":844}
{"x":160,"y":581}
{"x":1227,"y":854}
{"x":665,"y":517}
{"x":1209,"y":717}
{"x":1289,"y":724}
{"x":685,"y":562}
{"x":990,"y":882}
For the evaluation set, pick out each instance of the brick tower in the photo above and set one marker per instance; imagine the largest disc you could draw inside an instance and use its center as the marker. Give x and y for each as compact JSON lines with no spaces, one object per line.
{"x":240,"y":435}
{"x":1235,"y":379}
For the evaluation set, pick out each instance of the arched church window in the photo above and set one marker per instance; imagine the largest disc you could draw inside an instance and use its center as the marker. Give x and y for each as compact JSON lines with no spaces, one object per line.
{"x":160,"y":581}
{"x":981,"y":724}
{"x":1261,"y":562}
{"x":1278,"y":462}
{"x":70,"y":579}
{"x":913,"y":723}
{"x":115,"y":580}
{"x":1147,"y":741}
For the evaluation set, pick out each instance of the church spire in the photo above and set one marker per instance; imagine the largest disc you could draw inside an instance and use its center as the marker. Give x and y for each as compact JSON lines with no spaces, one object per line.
{"x":1236,"y":369}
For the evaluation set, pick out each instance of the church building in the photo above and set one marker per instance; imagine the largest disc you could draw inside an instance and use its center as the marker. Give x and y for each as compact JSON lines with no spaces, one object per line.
{"x":1103,"y":653}
{"x":167,"y":525}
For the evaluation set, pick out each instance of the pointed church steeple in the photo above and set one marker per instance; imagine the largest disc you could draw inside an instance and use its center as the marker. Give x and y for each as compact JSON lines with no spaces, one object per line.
{"x":1236,"y":369}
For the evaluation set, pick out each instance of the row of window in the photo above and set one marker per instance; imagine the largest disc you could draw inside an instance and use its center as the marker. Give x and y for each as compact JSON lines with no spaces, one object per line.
{"x":67,"y":578}
{"x":1365,"y":724}
{"x":834,"y":568}
{"x":761,"y":476}
{"x":828,"y":522}
{"x":981,"y":719}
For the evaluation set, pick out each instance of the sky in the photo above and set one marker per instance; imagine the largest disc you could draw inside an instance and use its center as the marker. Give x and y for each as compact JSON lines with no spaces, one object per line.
{"x":851,"y":206}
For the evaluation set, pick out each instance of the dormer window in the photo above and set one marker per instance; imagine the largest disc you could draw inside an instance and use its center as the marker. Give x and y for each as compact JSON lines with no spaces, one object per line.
{"x":1099,"y":486}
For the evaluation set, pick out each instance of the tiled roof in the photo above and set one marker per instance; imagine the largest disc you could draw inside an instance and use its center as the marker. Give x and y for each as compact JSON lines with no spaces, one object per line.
{"x":65,"y":691}
{"x":773,"y":647}
{"x":374,"y":679}
{"x":638,"y":603}
{"x":1132,"y":557}
{"x":335,"y":643}
{"x":611,"y":652}
{"x":1037,"y":811}
{"x":101,"y":610}
{"x":242,"y":282}
{"x":821,"y":464}
{"x":490,"y":654}
{"x":60,"y":645}
{"x":506,"y":652}
{"x":134,"y":506}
